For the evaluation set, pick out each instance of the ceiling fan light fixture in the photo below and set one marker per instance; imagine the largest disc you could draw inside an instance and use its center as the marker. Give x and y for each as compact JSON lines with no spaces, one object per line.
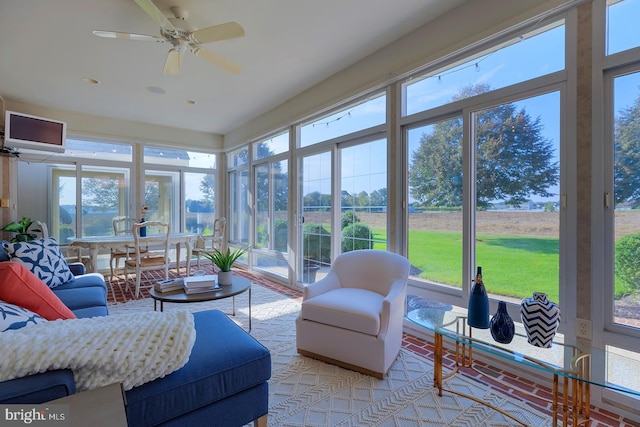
{"x":183,"y":36}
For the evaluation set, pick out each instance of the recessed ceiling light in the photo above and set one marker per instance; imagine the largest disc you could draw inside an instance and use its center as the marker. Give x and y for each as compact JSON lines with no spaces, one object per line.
{"x":190,"y":101}
{"x":156,"y":89}
{"x":91,"y":81}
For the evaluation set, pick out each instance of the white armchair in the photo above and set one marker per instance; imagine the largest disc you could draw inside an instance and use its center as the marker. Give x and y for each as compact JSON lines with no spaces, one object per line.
{"x":353,"y":317}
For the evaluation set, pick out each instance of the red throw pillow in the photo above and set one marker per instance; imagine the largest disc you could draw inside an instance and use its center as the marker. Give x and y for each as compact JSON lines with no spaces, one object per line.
{"x":21,"y":287}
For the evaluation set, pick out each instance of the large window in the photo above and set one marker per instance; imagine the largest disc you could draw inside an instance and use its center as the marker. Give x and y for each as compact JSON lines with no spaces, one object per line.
{"x":363,"y":196}
{"x":104,"y":196}
{"x":620,"y":323}
{"x":317,"y":215}
{"x":626,"y":199}
{"x":522,"y":57}
{"x":94,"y":181}
{"x":271,"y":174}
{"x":496,"y":155}
{"x":239,"y":207}
{"x":434,"y":237}
{"x":200,"y":202}
{"x":517,"y":196}
{"x":362,"y":115}
{"x":483,"y":159}
{"x":180,"y":188}
{"x":622,"y":31}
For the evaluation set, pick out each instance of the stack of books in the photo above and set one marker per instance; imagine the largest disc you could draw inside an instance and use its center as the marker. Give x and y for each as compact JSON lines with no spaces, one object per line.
{"x":199,"y":284}
{"x":169,"y":285}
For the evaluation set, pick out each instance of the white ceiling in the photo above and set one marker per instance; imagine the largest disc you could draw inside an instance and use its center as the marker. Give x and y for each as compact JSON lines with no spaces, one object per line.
{"x":47,"y":48}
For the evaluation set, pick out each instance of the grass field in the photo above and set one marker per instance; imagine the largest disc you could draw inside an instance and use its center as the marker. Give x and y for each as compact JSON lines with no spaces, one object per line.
{"x":512,"y":266}
{"x":518,"y":250}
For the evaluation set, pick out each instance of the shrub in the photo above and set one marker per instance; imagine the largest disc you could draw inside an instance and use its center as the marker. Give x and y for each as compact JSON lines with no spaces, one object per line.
{"x":282,"y":233}
{"x":348,"y":218}
{"x":627,"y":260}
{"x":261,"y":236}
{"x":317,"y":243}
{"x":356,"y":236}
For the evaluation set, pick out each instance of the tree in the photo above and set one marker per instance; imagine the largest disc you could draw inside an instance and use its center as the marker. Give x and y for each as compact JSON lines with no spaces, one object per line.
{"x":378,"y":199}
{"x":627,"y":155}
{"x":152,"y":195}
{"x":102,"y":193}
{"x":362,"y":199}
{"x":208,"y":187}
{"x":318,"y":200}
{"x":346,"y":199}
{"x":514,"y":160}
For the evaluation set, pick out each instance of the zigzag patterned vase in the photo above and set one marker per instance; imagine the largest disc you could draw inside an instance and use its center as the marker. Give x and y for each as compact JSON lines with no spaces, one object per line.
{"x":540,"y":318}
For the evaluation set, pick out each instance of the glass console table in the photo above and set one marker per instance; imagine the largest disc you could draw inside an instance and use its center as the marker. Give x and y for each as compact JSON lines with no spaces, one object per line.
{"x":566,"y":362}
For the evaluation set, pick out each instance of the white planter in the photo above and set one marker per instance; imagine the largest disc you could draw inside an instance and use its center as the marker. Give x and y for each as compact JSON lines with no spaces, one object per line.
{"x":225,"y":277}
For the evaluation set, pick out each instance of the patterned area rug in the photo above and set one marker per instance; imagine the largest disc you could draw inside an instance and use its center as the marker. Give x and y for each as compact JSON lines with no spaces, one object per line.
{"x":304,"y":392}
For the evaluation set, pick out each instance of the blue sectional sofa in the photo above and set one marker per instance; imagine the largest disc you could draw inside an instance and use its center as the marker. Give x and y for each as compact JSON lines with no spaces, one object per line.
{"x":224,"y":383}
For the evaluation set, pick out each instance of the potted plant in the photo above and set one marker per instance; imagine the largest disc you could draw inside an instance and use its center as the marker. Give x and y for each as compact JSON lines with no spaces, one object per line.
{"x":22,"y":229}
{"x":224,"y":261}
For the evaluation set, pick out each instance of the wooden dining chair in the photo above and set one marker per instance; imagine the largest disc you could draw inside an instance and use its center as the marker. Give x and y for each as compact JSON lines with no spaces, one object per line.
{"x":150,"y":252}
{"x":122,"y":226}
{"x":206,"y":243}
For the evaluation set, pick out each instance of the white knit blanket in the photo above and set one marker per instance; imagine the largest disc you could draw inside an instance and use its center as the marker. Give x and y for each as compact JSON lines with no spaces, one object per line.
{"x":131,"y":348}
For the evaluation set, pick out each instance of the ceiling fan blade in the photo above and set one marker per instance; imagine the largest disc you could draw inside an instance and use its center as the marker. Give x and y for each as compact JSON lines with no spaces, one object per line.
{"x":217,"y":60}
{"x":127,"y":36}
{"x":230,"y":30}
{"x":155,"y":14}
{"x":173,"y":62}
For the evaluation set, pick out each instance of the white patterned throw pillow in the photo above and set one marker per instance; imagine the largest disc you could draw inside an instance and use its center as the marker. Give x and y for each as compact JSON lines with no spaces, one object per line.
{"x":43,"y":258}
{"x":13,"y":317}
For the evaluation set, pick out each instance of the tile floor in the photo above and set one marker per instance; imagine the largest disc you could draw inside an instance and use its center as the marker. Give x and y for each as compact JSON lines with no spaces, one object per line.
{"x":494,"y":377}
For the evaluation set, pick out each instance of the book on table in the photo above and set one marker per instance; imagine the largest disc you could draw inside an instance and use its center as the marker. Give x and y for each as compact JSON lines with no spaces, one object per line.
{"x":198,"y":284}
{"x":169,"y":285}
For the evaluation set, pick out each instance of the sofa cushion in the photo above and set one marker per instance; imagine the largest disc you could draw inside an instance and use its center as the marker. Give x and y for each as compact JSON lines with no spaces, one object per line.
{"x":349,"y":308}
{"x":91,"y":280}
{"x":225,"y":360}
{"x":20,"y":286}
{"x":14,"y":317}
{"x":84,"y":302}
{"x":43,"y":258}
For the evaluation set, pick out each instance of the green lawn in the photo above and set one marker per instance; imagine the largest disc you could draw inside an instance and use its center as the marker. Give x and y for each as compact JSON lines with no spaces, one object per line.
{"x":512,"y":265}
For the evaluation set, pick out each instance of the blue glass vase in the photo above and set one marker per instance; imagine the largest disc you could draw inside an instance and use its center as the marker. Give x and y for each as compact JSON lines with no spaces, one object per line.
{"x":502,"y":327}
{"x":143,"y":230}
{"x":478,"y":309}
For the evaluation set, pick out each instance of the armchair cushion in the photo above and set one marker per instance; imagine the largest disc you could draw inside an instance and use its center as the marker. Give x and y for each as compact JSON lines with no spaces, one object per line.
{"x":357,"y":309}
{"x":43,"y":258}
{"x":20,"y":286}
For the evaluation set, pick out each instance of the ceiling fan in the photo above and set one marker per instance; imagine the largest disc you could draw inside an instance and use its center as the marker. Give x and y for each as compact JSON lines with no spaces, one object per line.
{"x":183,"y":36}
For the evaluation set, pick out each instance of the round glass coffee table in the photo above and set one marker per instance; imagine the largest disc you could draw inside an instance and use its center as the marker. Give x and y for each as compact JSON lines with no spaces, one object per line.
{"x":239,"y":285}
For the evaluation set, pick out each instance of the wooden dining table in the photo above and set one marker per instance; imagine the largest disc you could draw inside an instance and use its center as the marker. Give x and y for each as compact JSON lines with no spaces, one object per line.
{"x":95,"y":243}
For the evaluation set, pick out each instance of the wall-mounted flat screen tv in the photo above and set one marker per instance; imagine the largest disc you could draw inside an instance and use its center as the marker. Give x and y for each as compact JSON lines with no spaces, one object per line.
{"x":34,"y":133}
